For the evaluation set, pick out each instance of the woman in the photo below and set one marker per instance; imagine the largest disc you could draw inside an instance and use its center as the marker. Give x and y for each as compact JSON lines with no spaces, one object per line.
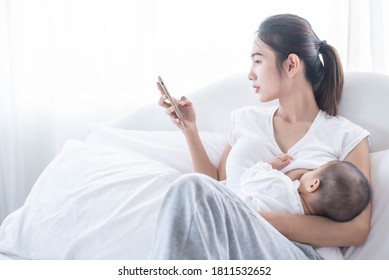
{"x":204,"y":219}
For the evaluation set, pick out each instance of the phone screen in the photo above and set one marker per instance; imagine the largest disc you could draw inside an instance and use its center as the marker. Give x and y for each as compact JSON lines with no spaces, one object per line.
{"x":169,"y":97}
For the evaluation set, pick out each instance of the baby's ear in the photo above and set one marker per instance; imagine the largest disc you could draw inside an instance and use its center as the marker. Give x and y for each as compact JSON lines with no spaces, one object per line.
{"x":314,"y":186}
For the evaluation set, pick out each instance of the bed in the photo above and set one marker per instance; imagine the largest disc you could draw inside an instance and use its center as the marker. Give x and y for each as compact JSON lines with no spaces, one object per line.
{"x":99,"y":198}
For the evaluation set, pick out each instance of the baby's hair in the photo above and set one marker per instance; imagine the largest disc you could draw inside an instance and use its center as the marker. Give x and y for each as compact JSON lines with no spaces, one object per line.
{"x":344,"y":192}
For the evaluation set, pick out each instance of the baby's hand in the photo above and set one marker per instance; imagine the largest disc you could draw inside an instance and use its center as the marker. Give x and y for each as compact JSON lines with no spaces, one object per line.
{"x":281,"y":161}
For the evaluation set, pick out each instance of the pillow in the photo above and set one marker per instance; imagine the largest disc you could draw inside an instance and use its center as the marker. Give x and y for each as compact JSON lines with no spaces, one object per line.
{"x":91,"y":202}
{"x":168,"y":147}
{"x":377,"y":244}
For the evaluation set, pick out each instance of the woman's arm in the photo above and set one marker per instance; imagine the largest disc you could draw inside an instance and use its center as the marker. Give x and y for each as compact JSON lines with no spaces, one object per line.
{"x":320,"y":231}
{"x":360,"y":226}
{"x":200,"y":159}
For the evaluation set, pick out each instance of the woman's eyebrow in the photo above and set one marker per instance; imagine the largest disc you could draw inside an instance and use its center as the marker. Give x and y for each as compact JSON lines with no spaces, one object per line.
{"x":256,"y":53}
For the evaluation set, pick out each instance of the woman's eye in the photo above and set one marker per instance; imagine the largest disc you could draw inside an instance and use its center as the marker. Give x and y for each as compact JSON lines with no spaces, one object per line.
{"x":257,"y":61}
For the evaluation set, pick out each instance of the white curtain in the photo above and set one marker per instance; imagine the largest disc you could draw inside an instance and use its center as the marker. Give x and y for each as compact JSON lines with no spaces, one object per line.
{"x":12,"y":187}
{"x":368,"y":36}
{"x":66,"y":63}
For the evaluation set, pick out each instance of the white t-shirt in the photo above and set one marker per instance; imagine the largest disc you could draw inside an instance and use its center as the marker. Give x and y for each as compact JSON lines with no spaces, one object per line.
{"x":265,"y":188}
{"x":252,"y":140}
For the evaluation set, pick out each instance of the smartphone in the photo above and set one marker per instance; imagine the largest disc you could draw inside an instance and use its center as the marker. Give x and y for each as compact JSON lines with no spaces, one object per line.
{"x":169,"y":97}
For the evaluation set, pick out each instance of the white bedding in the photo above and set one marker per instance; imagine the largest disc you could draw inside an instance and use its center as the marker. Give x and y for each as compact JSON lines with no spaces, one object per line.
{"x":5,"y":257}
{"x":100,"y":199}
{"x":91,"y":202}
{"x":168,"y":147}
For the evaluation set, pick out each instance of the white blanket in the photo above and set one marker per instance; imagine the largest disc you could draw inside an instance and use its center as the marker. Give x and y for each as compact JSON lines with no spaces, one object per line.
{"x":91,"y":202}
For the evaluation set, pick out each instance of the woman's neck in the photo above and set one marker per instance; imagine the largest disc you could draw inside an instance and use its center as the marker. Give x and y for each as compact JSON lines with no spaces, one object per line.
{"x":298,"y":105}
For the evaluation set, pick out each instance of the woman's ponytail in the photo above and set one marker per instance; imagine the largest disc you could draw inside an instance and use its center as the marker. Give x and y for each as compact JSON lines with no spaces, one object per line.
{"x":328,"y":88}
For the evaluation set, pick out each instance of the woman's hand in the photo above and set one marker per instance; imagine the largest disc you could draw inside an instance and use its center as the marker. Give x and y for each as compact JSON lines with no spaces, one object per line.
{"x":184,"y":105}
{"x":200,"y":159}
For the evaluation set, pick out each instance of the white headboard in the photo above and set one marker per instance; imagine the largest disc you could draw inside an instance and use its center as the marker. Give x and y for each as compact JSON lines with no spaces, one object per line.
{"x":365,"y":102}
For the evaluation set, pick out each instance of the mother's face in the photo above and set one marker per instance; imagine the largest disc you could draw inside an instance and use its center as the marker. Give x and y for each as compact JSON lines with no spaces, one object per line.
{"x":264,"y":73}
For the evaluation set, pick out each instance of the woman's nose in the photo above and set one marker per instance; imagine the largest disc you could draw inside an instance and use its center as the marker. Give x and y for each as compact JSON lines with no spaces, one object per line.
{"x":251,"y":76}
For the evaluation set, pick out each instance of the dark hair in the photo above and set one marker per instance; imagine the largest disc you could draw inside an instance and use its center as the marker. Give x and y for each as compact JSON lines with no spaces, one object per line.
{"x":344,"y":192}
{"x":286,"y":34}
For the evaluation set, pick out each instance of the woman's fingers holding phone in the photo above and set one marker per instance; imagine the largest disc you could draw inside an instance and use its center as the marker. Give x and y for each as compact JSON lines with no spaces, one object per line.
{"x":162,"y":101}
{"x":170,"y":111}
{"x":184,"y":101}
{"x":159,"y":86}
{"x":187,"y":109}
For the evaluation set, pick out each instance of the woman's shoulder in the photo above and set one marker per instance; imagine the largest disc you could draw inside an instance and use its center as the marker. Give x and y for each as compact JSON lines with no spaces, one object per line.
{"x":342,"y":132}
{"x":338,"y":121}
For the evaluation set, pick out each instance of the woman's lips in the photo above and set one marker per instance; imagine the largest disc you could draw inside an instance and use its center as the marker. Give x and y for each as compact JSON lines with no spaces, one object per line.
{"x":257,"y":89}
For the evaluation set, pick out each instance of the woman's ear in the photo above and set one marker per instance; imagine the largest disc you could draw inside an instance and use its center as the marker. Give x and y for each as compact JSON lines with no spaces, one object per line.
{"x":314,"y":186}
{"x":292,"y":64}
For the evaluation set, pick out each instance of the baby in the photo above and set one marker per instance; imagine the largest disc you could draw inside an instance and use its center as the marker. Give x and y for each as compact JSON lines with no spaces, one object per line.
{"x":336,"y":190}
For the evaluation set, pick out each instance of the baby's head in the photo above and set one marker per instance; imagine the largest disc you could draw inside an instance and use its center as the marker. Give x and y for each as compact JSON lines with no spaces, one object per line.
{"x":337,"y":190}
